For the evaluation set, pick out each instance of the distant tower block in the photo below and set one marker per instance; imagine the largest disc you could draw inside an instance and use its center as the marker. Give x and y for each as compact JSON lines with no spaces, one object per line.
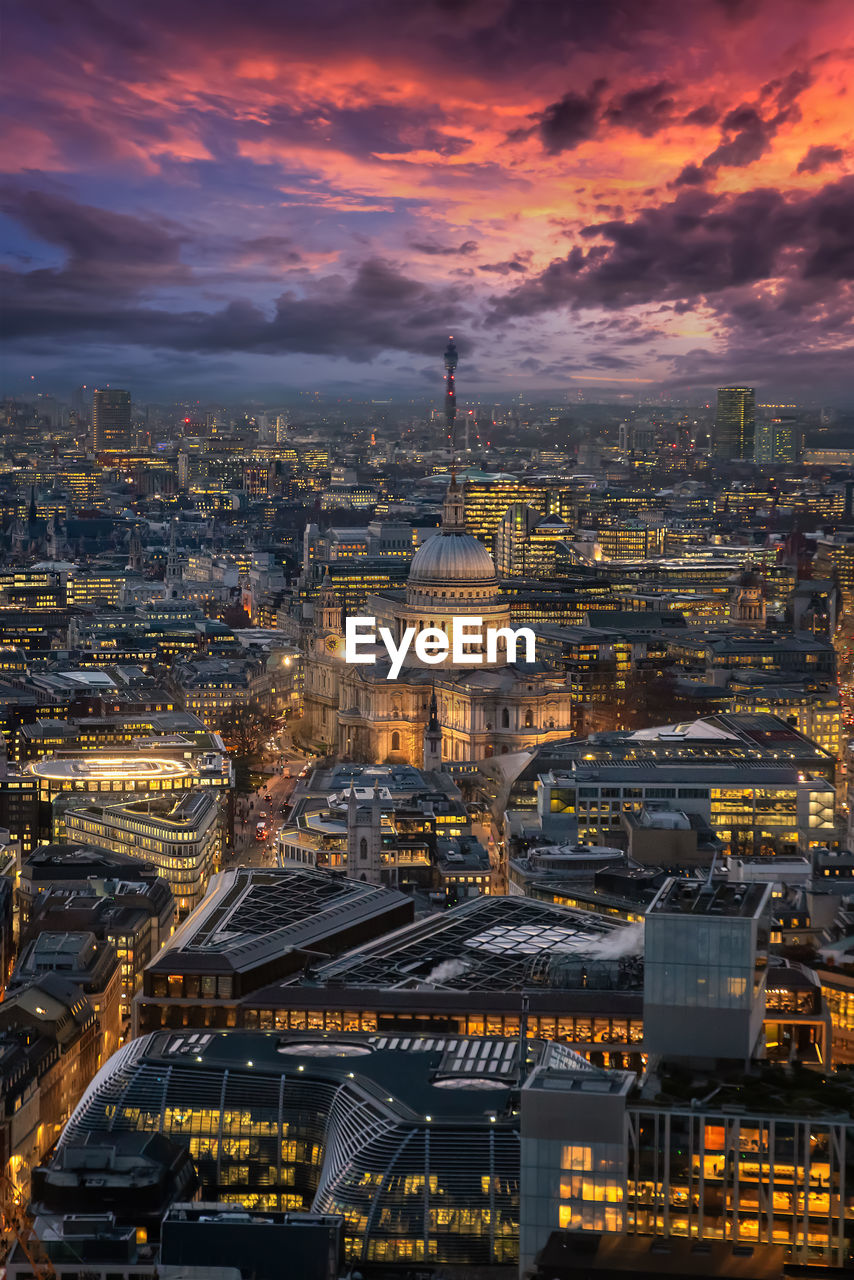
{"x":451,"y":358}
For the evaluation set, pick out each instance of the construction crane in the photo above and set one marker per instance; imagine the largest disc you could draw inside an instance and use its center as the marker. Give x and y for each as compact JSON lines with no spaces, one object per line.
{"x":17,"y":1219}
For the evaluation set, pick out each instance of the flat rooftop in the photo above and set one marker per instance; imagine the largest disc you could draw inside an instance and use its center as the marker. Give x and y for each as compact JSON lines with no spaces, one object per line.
{"x":394,"y":781}
{"x":690,"y":772}
{"x":420,"y":1078}
{"x":699,"y":898}
{"x":98,"y":768}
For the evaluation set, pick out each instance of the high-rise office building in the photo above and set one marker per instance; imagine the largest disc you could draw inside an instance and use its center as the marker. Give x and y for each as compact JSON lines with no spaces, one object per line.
{"x":111,"y":420}
{"x":776,"y":440}
{"x":735,"y":423}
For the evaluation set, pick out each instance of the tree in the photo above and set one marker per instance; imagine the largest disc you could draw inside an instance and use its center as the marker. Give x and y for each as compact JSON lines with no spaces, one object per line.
{"x":246,"y":726}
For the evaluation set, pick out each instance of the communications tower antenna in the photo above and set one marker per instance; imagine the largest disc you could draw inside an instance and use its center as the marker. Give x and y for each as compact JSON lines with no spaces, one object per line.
{"x":451,"y":358}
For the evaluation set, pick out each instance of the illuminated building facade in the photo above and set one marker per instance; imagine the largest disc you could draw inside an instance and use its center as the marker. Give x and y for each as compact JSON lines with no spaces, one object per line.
{"x":414,"y":1141}
{"x":526,"y":542}
{"x":91,"y":965}
{"x":34,"y":590}
{"x":487,"y":711}
{"x":776,"y":440}
{"x":49,"y":1051}
{"x":254,"y":928}
{"x":208,"y":688}
{"x":111,"y":421}
{"x":96,"y":587}
{"x":735,"y":424}
{"x":488,"y":500}
{"x":815,"y":710}
{"x":763,"y":810}
{"x":630,"y":540}
{"x":746,"y":1167}
{"x":835,"y":559}
{"x":721,"y":1149}
{"x":182,"y":838}
{"x":69,"y":782}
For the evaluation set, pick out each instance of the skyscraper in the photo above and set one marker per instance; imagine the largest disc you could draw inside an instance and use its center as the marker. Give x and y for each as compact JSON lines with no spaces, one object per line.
{"x":111,"y":421}
{"x":776,"y":440}
{"x":734,"y":423}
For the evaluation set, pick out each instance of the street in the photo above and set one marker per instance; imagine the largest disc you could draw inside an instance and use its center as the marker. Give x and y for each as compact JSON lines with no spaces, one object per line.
{"x":251,"y":807}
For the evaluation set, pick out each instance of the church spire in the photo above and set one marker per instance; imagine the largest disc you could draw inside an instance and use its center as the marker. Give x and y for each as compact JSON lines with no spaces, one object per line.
{"x":433,"y":736}
{"x":173,"y":563}
{"x":433,"y":722}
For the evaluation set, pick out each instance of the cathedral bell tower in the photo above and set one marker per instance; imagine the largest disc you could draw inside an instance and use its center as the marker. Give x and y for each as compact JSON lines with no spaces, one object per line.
{"x":748,"y":600}
{"x":328,"y":611}
{"x":454,"y":508}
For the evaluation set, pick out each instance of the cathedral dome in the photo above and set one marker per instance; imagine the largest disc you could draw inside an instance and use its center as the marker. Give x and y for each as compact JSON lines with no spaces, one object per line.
{"x":452,"y":566}
{"x":452,"y":557}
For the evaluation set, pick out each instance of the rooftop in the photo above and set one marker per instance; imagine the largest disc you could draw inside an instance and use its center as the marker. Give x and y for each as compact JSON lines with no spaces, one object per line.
{"x":486,"y":944}
{"x":187,"y":810}
{"x":702,"y":898}
{"x":416,"y":1078}
{"x":108,"y":768}
{"x":249,"y":915}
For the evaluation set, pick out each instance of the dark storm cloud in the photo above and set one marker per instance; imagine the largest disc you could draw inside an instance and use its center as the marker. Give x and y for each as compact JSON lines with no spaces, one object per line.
{"x":437,"y":250}
{"x":623,"y":330}
{"x":696,"y":247}
{"x":704,"y":116}
{"x":102,"y":247}
{"x":517,"y":265}
{"x":486,"y":36}
{"x":748,"y":130}
{"x":646,"y":110}
{"x":818,"y":157}
{"x":572,"y":120}
{"x":746,"y":137}
{"x":577,"y":117}
{"x":361,"y":132}
{"x":273,"y":248}
{"x":693,"y":175}
{"x":95,"y":296}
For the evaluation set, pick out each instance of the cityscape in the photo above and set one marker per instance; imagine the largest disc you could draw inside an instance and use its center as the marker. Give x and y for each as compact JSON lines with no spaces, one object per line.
{"x":427,"y":641}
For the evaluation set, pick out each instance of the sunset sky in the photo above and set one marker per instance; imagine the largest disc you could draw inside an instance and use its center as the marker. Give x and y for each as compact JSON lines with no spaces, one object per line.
{"x":236,"y":198}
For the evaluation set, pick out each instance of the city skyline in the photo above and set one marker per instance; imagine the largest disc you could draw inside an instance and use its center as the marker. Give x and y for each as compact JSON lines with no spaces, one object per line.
{"x":206,"y":201}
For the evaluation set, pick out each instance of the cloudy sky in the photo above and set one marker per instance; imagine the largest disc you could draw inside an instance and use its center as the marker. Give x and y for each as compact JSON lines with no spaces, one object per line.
{"x":243,"y":197}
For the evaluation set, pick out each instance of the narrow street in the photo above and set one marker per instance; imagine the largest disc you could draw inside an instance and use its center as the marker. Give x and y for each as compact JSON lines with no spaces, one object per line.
{"x":252,"y":807}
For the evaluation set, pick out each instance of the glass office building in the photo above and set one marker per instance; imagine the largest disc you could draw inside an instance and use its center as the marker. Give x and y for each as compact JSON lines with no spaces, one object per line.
{"x":414,"y":1141}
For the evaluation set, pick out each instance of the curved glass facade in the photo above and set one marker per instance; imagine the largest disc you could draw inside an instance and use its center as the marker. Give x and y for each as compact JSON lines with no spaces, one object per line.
{"x":332,"y":1134}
